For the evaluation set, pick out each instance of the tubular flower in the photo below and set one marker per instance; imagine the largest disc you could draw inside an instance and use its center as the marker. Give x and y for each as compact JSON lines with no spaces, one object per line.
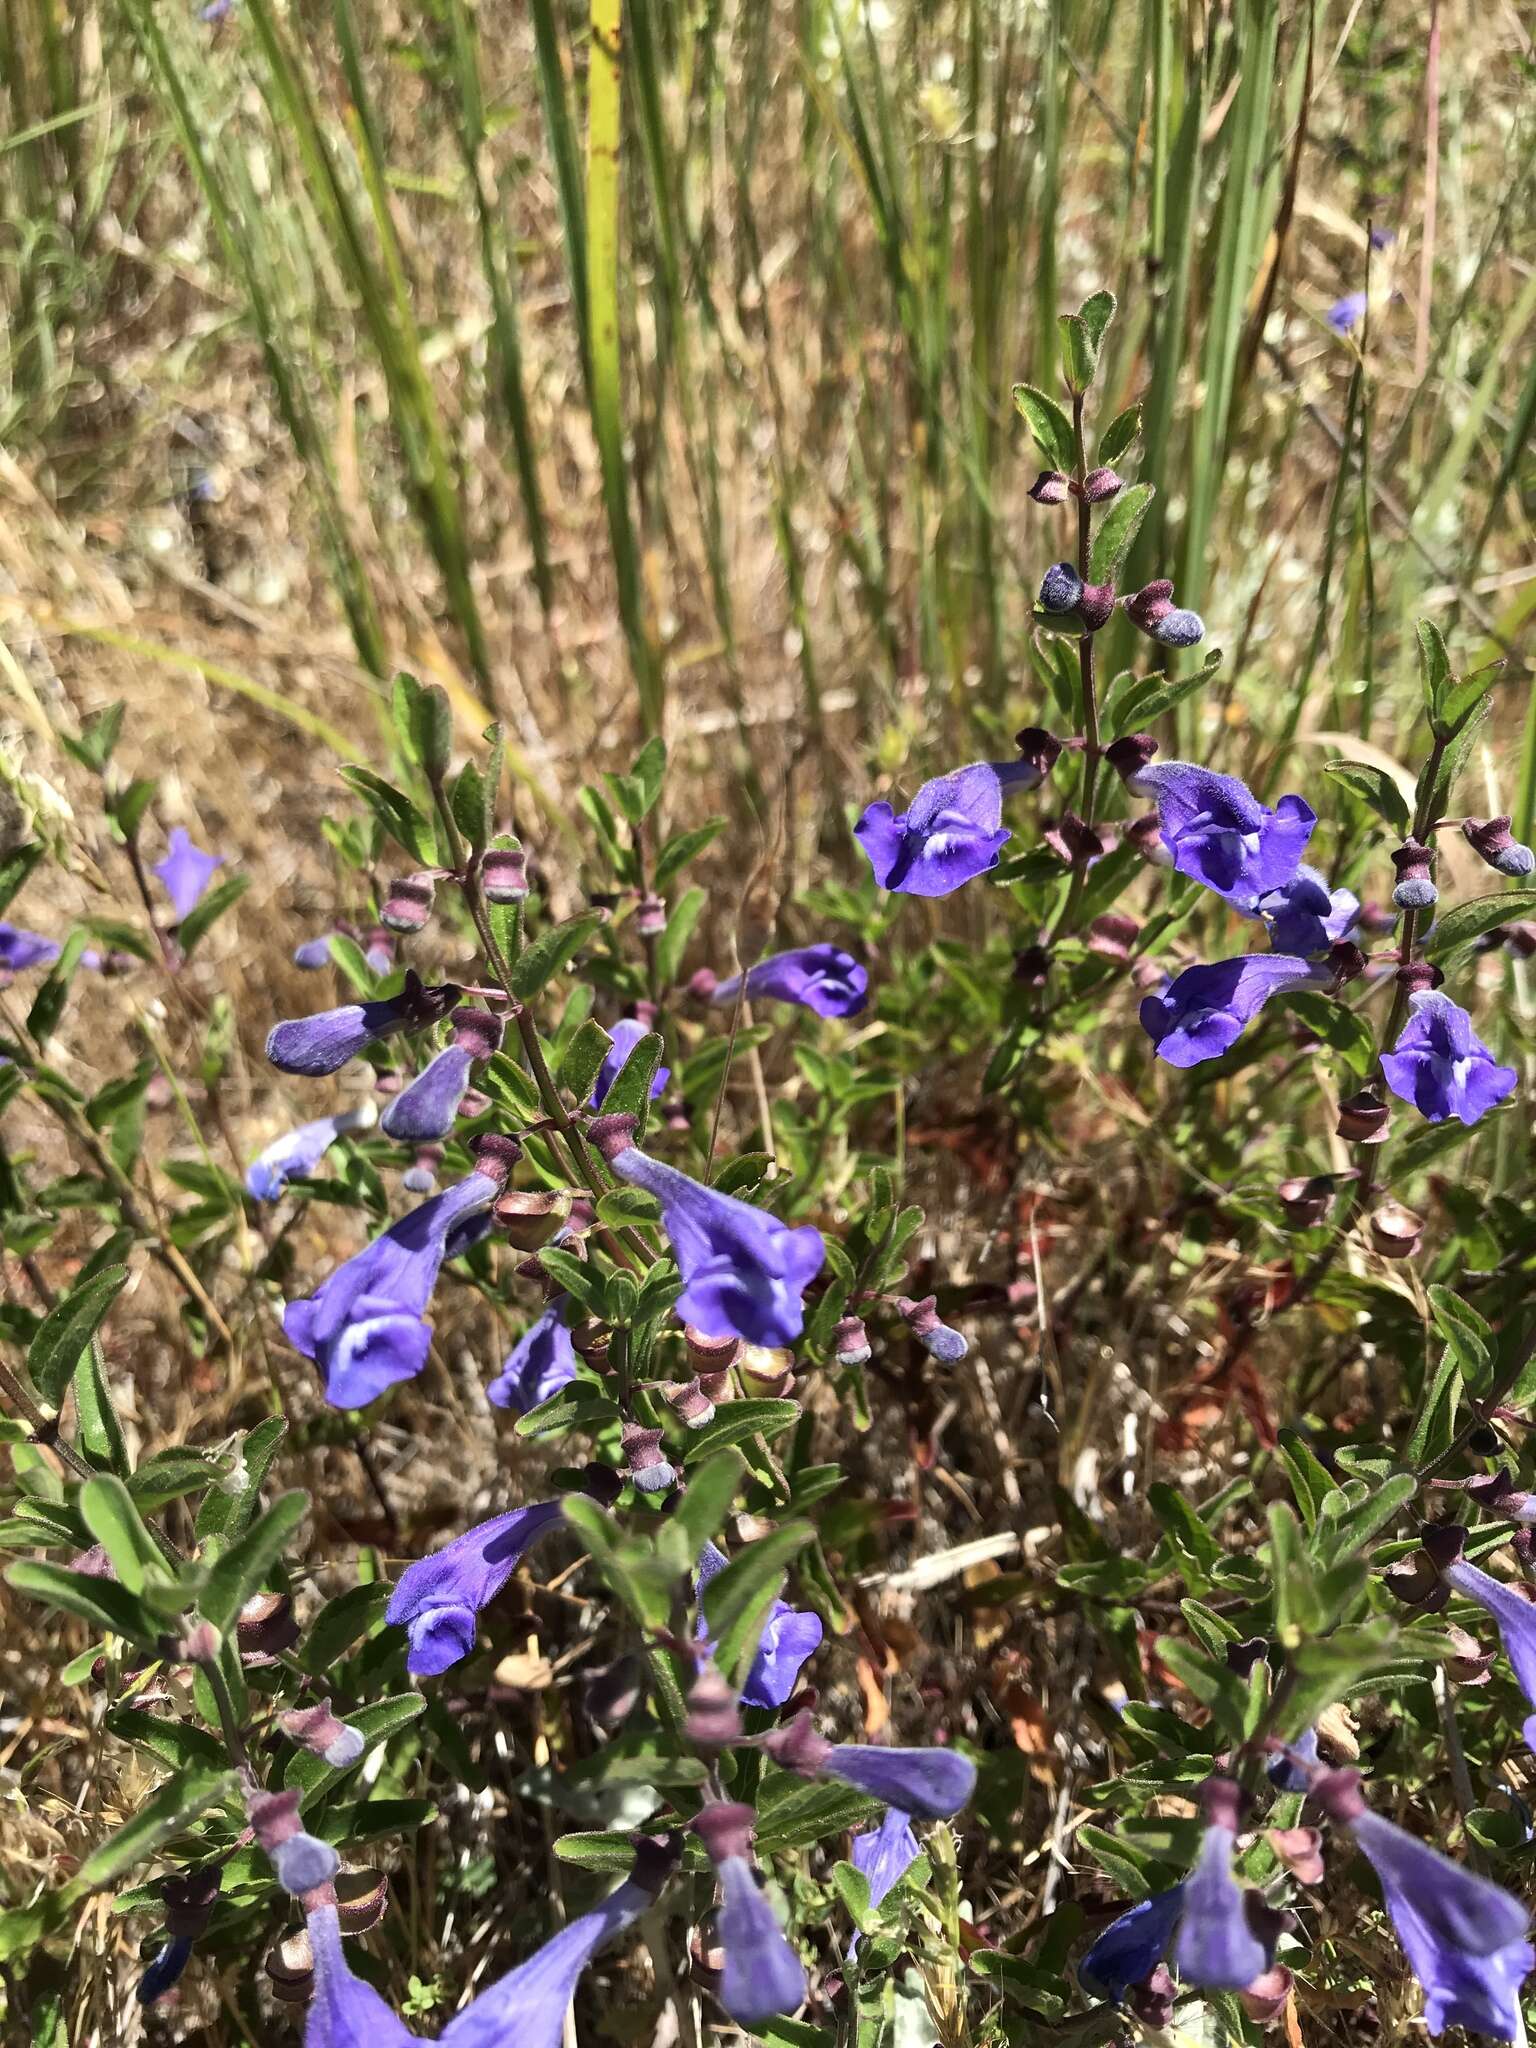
{"x":761,"y":1976}
{"x":366,"y":1327}
{"x":1205,"y":1010}
{"x":542,"y":1361}
{"x":885,"y":1854}
{"x":789,"y":1637}
{"x":1466,"y":1940}
{"x":299,"y":1152}
{"x":424,"y":1112}
{"x":438,"y":1597}
{"x":951,"y":832}
{"x":185,"y":872}
{"x":744,"y":1271}
{"x":20,"y":950}
{"x":1130,"y":1948}
{"x":1441,"y":1066}
{"x":1305,"y":916}
{"x":326,"y":1041}
{"x":1217,"y":831}
{"x":820,"y":978}
{"x":1217,"y":1946}
{"x":1516,"y":1618}
{"x":931,"y":1784}
{"x":626,"y":1035}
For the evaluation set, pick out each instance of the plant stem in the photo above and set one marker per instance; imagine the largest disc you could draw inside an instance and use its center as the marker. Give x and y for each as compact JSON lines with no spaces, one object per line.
{"x":1090,"y":706}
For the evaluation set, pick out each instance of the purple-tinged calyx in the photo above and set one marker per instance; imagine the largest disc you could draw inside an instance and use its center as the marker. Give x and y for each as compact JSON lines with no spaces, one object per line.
{"x":744,"y":1272}
{"x":1306,"y":1200}
{"x":651,"y":916}
{"x":301,"y":1861}
{"x":298,"y":1152}
{"x":504,"y":874}
{"x":714,"y":1713}
{"x":1364,"y":1119}
{"x":1396,"y":1230}
{"x":1206,"y":1009}
{"x":324,"y":1042}
{"x":688,"y":1401}
{"x":185,"y":872}
{"x":646,"y":1465}
{"x":438,"y":1598}
{"x":1153,"y":602}
{"x":850,"y":1342}
{"x":323,"y":1735}
{"x":1218,"y":1948}
{"x":1039,"y":751}
{"x":947,"y":1345}
{"x":932,"y":1784}
{"x":1050,"y":487}
{"x":1100,"y":485}
{"x":761,"y":1977}
{"x":710,"y":1356}
{"x":821,"y":978}
{"x":1414,"y":890}
{"x":1492,"y":840}
{"x":1441,"y":1066}
{"x":408,"y":905}
{"x":951,"y":832}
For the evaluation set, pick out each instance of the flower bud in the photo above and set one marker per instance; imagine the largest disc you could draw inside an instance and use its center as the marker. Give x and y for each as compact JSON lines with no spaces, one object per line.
{"x":1031,"y":966}
{"x":379,"y":950}
{"x":504,"y":874}
{"x":323,"y":1735}
{"x":1100,"y":485}
{"x":714,"y":1715}
{"x":1154,"y":601}
{"x":937,"y":1338}
{"x":1039,"y":750}
{"x":1396,"y":1230}
{"x":651,"y":917}
{"x":1050,"y":487}
{"x":1345,"y":962}
{"x":1415,"y":890}
{"x":201,"y":1644}
{"x":1492,"y":840}
{"x":1073,"y":840}
{"x":301,"y":1861}
{"x":1179,"y":629}
{"x":1060,"y":588}
{"x":1305,"y":1202}
{"x":265,"y":1628}
{"x":850,"y":1341}
{"x":1364,"y":1119}
{"x":420,"y":1177}
{"x":1096,"y":604}
{"x":703,"y":983}
{"x":1113,"y":936}
{"x":646,"y":1466}
{"x":690,"y":1404}
{"x":409,"y":903}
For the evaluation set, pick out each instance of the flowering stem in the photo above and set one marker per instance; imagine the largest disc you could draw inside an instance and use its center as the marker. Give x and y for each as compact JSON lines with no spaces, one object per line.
{"x":229,"y":1721}
{"x":1085,"y":663}
{"x":45,"y":1429}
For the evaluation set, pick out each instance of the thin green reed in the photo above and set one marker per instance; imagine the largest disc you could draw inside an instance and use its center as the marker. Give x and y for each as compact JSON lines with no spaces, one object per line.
{"x":240,"y":225}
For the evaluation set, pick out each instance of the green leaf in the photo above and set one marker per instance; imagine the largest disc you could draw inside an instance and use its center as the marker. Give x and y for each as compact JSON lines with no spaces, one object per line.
{"x":245,"y":1565}
{"x":427,"y":717}
{"x":597,"y":1851}
{"x":342,"y":1622}
{"x":589,"y":1047}
{"x":792,"y":1814}
{"x":1195,"y":1549}
{"x":1434,"y":665}
{"x":1150,"y":698}
{"x":1342,"y":1535}
{"x":466,"y":801}
{"x":1463,"y":706}
{"x":101,"y":1602}
{"x":737,"y":1600}
{"x":630,"y":1094}
{"x":108,"y":1511}
{"x":579,"y":1405}
{"x":180,"y":1745}
{"x":172,"y":1809}
{"x":1345,"y":1030}
{"x":1435,"y":1422}
{"x":397,"y":816}
{"x":1049,"y":425}
{"x":681,"y":849}
{"x":1466,"y":1332}
{"x":673,"y":943}
{"x":98,"y":1432}
{"x":542,"y":959}
{"x":1311,"y":1481}
{"x":170,"y":1474}
{"x":1079,"y":355}
{"x":1212,"y":1684}
{"x":67,"y":1329}
{"x":1117,"y":531}
{"x":1464,"y":922}
{"x":574,"y":1276}
{"x":737,"y":1420}
{"x":227,"y":1510}
{"x":852,"y":1888}
{"x":207,"y":911}
{"x":15,"y":868}
{"x":1096,"y":312}
{"x":1120,"y":434}
{"x":701,"y":1512}
{"x":48,"y":1004}
{"x":1375,"y":787}
{"x":1298,"y":1611}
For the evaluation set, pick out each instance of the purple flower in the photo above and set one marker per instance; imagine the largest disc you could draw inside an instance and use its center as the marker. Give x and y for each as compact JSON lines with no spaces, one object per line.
{"x":1217,"y":831}
{"x":1305,"y":916}
{"x":541,"y":1362}
{"x":326,"y":1041}
{"x":744,"y":1271}
{"x":1217,"y":1947}
{"x":20,"y":950}
{"x":1516,"y":1618}
{"x":761,"y":1976}
{"x":365,"y":1326}
{"x":185,"y":872}
{"x":932,"y":1784}
{"x":1345,"y":314}
{"x":951,"y":832}
{"x":820,"y":978}
{"x":344,"y":2012}
{"x":885,"y":1854}
{"x":1130,"y":1948}
{"x":1204,"y":1010}
{"x":165,"y":1971}
{"x":1441,"y":1066}
{"x":314,"y":953}
{"x":425,"y":1111}
{"x":626,"y":1035}
{"x":300,"y":1151}
{"x":1289,"y":1773}
{"x":438,"y":1597}
{"x":789,"y":1637}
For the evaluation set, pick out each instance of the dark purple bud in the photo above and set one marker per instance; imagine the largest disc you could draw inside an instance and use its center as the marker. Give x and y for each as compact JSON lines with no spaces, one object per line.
{"x":1154,"y":601}
{"x":189,"y":1900}
{"x":1346,"y":962}
{"x":1095,"y":605}
{"x":690,"y":1404}
{"x":714,"y":1716}
{"x":504,"y":874}
{"x":1032,"y":966}
{"x":1073,"y":840}
{"x":1039,"y":750}
{"x":319,"y":1731}
{"x":645,"y":1463}
{"x":265,"y":1628}
{"x":1100,"y":485}
{"x":301,"y":1861}
{"x":1179,"y":629}
{"x":1492,"y":839}
{"x":1113,"y":936}
{"x":1050,"y":487}
{"x":1306,"y":1201}
{"x":1396,"y":1231}
{"x":1415,"y":890}
{"x":1128,"y":756}
{"x":850,"y":1341}
{"x":409,"y":903}
{"x":1364,"y":1119}
{"x":1060,"y":588}
{"x":702,"y":985}
{"x":936,"y":1338}
{"x":651,"y":917}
